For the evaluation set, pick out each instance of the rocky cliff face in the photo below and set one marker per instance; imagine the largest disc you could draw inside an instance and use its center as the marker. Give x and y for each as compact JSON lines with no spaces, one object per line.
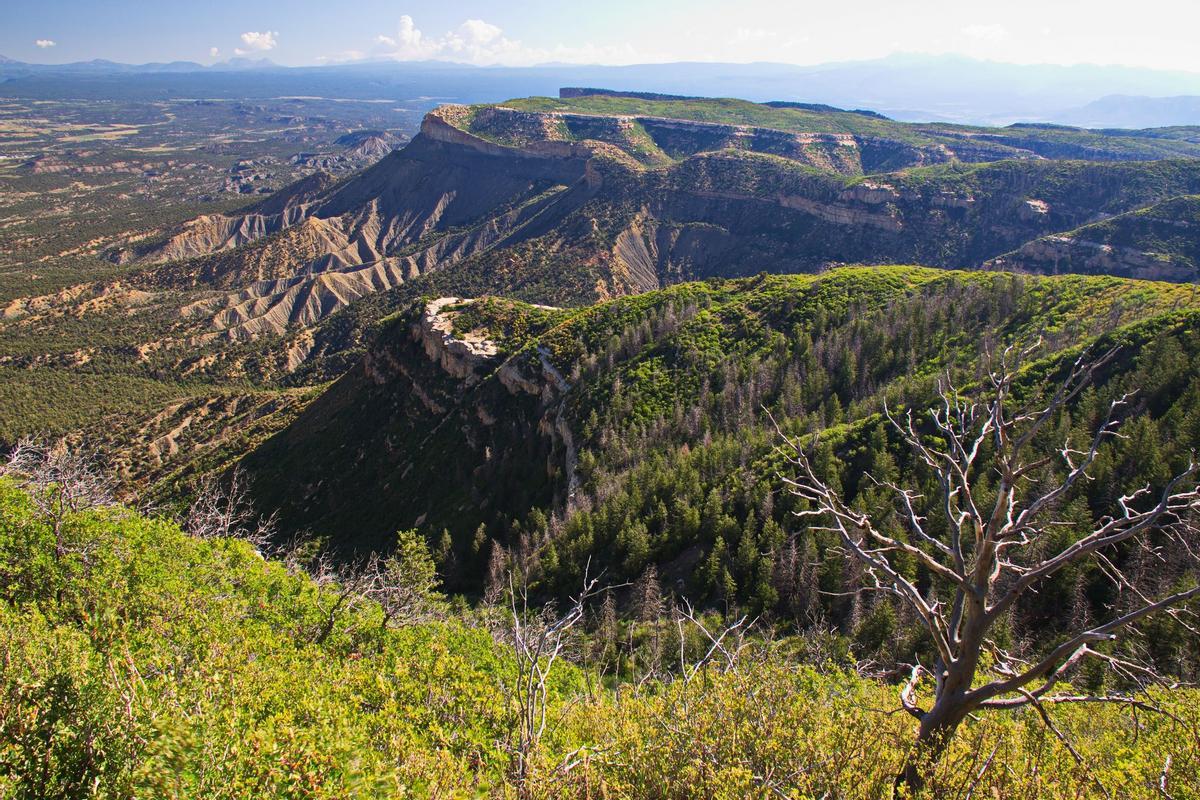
{"x":466,"y":357}
{"x":440,"y":428}
{"x":646,"y":137}
{"x":1161,"y":242}
{"x":1054,"y":255}
{"x":568,"y":207}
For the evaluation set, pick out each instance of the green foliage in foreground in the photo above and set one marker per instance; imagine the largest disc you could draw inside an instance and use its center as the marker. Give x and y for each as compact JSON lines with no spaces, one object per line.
{"x":144,"y":663}
{"x":776,"y":730}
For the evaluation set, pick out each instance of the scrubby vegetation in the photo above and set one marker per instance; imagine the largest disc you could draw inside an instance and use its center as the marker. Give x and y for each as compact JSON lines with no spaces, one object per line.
{"x":142,"y":662}
{"x":400,"y":612}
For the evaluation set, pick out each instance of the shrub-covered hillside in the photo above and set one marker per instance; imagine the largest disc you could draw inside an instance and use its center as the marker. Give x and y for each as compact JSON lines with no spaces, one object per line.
{"x":1159,"y":240}
{"x":142,"y":663}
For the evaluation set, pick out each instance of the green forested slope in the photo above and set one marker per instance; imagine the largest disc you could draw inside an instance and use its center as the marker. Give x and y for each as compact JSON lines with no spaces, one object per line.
{"x":671,"y":451}
{"x":1159,"y":241}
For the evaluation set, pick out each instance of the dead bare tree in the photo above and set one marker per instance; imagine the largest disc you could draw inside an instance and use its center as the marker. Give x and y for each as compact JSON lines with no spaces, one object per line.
{"x":343,"y":588}
{"x":222,"y":508}
{"x":998,"y":498}
{"x":402,"y":584}
{"x":60,"y":481}
{"x":539,"y":638}
{"x":725,"y":646}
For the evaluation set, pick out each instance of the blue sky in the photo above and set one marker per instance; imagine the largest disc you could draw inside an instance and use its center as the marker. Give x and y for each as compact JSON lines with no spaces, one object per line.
{"x":1149,"y":33}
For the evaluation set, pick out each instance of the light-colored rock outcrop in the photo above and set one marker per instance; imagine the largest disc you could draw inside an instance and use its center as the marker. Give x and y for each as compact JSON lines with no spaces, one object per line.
{"x":636,"y":253}
{"x":1071,"y":254}
{"x":461,"y":357}
{"x":843,"y":213}
{"x":470,"y":358}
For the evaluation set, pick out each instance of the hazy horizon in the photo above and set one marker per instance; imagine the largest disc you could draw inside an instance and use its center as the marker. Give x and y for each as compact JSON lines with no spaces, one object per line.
{"x":538,"y":32}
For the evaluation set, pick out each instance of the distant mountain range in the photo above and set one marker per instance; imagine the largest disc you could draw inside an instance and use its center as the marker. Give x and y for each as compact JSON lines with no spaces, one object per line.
{"x":10,"y":68}
{"x":1125,"y":111}
{"x":915,"y":88}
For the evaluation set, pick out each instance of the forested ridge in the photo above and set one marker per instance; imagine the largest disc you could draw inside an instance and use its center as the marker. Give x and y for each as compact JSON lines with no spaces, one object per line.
{"x":673,"y":403}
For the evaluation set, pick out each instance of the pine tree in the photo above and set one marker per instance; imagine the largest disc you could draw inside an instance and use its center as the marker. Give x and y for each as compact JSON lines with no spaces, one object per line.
{"x":710,"y":515}
{"x":747,"y":551}
{"x":443,"y":553}
{"x":710,"y":573}
{"x":607,"y":633}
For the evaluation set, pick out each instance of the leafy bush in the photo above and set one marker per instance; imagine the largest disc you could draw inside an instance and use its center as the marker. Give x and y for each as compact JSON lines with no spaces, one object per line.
{"x":146,"y":663}
{"x":140,"y":662}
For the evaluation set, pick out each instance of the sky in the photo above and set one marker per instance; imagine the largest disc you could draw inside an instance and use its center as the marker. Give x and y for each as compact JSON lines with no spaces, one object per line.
{"x":1156,"y":34}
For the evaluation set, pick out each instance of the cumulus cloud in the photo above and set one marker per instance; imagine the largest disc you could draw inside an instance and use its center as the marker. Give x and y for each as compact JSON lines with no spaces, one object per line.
{"x":476,"y":30}
{"x":213,"y":52}
{"x":476,"y":41}
{"x":256,"y":41}
{"x":986,"y":33}
{"x":44,"y":43}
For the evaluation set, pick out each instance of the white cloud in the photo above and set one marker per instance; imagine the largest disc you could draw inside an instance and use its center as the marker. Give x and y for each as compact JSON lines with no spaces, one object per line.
{"x":408,"y":35}
{"x":479,"y":31}
{"x":44,"y":43}
{"x":480,"y":42}
{"x":261,"y":42}
{"x":986,"y":33}
{"x":475,"y":41}
{"x":213,"y":52}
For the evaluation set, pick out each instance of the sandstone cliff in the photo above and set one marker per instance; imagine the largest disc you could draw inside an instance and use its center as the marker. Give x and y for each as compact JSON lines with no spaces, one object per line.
{"x":561,"y":206}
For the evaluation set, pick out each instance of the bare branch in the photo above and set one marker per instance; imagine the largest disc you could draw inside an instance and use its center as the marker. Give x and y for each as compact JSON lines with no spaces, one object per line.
{"x":992,"y":559}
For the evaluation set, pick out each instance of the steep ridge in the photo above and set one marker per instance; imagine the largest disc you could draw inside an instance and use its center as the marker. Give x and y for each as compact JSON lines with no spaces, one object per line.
{"x":745,"y":119}
{"x":656,"y":140}
{"x":484,"y":416}
{"x":575,"y":205}
{"x":1161,"y":242}
{"x":300,"y":256}
{"x":404,"y":196}
{"x":151,"y":454}
{"x":436,"y":425}
{"x":369,"y":145}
